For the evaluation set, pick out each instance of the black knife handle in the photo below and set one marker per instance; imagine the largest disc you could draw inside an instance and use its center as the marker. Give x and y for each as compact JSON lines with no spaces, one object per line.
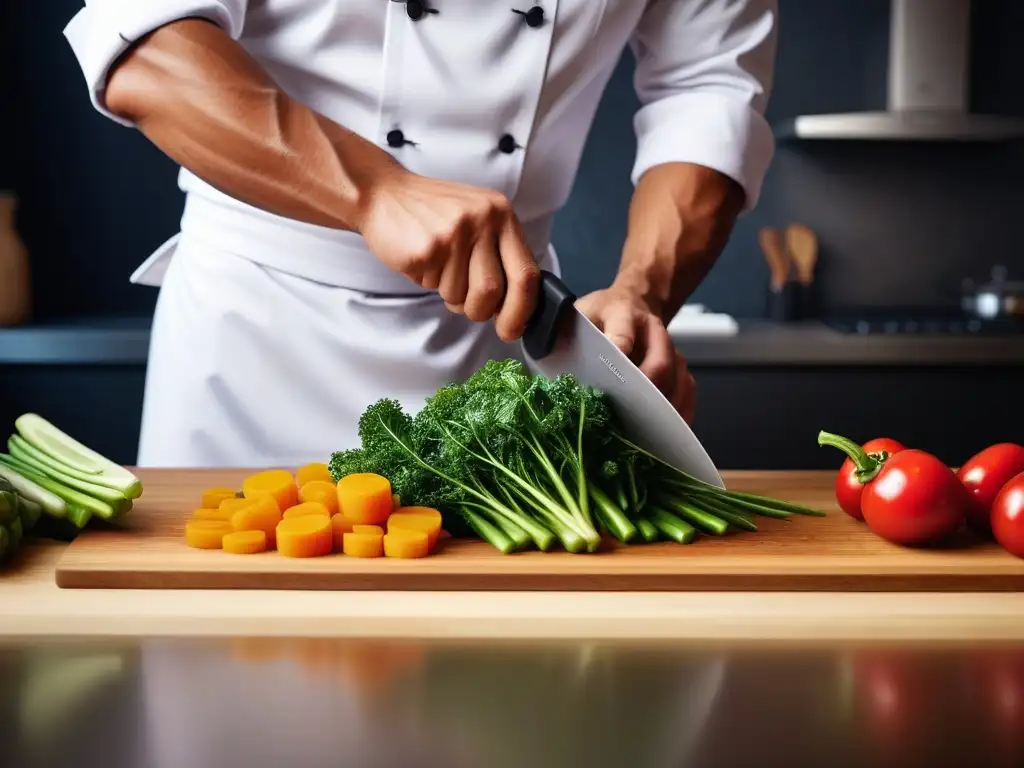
{"x":542,"y":329}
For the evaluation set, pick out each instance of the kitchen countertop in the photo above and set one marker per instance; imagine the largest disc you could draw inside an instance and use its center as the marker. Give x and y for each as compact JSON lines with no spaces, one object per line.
{"x":77,"y":341}
{"x":31,"y":605}
{"x":762,"y":343}
{"x":125,"y":341}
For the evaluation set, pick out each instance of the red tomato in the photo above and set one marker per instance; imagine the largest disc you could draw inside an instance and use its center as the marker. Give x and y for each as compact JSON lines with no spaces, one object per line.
{"x":1008,"y":516}
{"x":848,"y":487}
{"x":914,"y":500}
{"x":984,"y":475}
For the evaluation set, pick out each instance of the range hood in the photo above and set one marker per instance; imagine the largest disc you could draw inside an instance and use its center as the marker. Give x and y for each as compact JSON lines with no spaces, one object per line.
{"x":929,"y":74}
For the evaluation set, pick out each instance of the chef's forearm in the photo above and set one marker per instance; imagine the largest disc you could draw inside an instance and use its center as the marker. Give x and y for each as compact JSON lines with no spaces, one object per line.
{"x":680,"y":219}
{"x":199,"y":96}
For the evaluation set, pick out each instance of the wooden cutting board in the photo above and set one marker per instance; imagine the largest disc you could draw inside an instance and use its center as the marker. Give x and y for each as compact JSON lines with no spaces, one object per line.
{"x":834,"y":553}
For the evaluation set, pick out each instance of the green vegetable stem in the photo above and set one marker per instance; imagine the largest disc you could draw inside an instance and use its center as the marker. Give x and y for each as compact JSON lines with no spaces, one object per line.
{"x":526,"y":461}
{"x":868,"y":465}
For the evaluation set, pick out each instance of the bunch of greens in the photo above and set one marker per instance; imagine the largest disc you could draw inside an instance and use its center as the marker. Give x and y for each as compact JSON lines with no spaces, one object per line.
{"x":524,"y":460}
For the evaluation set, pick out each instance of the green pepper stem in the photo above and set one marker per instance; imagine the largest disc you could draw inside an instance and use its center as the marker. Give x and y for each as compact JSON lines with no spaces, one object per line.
{"x":868,"y":466}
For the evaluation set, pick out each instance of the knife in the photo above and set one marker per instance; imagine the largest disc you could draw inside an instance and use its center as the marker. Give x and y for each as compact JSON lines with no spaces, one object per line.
{"x":561,"y":339}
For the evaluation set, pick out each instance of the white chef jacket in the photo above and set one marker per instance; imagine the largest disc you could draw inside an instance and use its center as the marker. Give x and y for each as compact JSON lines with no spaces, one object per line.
{"x":495,"y":94}
{"x":458,"y":79}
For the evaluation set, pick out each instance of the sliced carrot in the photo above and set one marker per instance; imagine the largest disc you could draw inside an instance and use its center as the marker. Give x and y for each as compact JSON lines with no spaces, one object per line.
{"x":212,"y":514}
{"x":324,"y":492}
{"x":406,"y":544}
{"x":207,"y":524}
{"x":309,"y":508}
{"x":212,"y":497}
{"x":311,"y":472}
{"x":340,"y":525}
{"x":406,"y":519}
{"x":365,"y":498}
{"x":260,"y":515}
{"x":421,"y":511}
{"x":278,"y":483}
{"x":363,"y":545}
{"x":305,"y":536}
{"x":369,"y":530}
{"x":206,"y":534}
{"x":245,"y":542}
{"x":234,"y":504}
{"x":443,"y":535}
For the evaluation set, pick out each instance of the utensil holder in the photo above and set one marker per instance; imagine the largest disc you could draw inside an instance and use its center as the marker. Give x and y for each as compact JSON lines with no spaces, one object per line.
{"x":784,"y":304}
{"x":807,"y":302}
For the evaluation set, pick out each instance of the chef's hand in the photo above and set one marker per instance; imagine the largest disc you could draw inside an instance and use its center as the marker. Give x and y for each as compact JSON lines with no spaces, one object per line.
{"x":462,"y":241}
{"x":640,"y":333}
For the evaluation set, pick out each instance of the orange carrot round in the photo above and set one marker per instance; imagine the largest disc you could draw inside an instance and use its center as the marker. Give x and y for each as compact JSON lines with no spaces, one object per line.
{"x":206,"y":534}
{"x":234,"y":504}
{"x":365,"y":498}
{"x":308,"y":508}
{"x":369,"y":530}
{"x":422,"y":511}
{"x":324,"y":492}
{"x":409,"y":520}
{"x":212,"y":497}
{"x":340,"y":525}
{"x":277,"y":483}
{"x":261,"y":515}
{"x":245,"y":542}
{"x":406,"y":544}
{"x":212,"y":514}
{"x":363,"y":545}
{"x":305,"y":536}
{"x":315,"y":471}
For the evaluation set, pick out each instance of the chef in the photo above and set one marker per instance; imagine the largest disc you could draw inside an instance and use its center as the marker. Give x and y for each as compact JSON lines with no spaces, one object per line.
{"x":370,"y":186}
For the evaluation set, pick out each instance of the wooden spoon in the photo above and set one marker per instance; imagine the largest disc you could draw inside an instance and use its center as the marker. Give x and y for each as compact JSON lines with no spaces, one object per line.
{"x":775,"y":253}
{"x":802,"y":244}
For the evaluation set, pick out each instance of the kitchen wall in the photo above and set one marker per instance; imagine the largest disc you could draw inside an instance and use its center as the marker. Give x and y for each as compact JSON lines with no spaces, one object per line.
{"x":899,"y":223}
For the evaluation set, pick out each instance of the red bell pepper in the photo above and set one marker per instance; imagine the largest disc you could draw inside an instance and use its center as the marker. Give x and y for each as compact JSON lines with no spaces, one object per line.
{"x":1008,"y":516}
{"x":984,"y":475}
{"x":848,"y":487}
{"x":910,"y":498}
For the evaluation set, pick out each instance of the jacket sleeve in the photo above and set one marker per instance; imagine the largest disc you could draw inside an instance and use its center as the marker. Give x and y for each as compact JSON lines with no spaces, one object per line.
{"x":703,"y":76}
{"x":101,"y":32}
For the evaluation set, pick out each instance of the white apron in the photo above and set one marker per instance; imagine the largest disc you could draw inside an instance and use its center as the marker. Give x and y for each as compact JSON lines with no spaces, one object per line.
{"x":271,"y":336}
{"x":252,"y":365}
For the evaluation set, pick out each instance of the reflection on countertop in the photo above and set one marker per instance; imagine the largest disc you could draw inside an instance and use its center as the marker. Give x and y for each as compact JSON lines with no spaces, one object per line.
{"x":125,"y":341}
{"x":319,"y":702}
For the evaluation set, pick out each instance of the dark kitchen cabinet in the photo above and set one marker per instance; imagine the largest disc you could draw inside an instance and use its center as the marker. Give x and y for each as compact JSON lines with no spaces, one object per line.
{"x":769,"y":418}
{"x":754,"y":417}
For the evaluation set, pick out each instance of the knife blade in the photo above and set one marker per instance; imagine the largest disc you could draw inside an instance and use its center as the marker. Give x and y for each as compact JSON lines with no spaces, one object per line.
{"x":561,"y":339}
